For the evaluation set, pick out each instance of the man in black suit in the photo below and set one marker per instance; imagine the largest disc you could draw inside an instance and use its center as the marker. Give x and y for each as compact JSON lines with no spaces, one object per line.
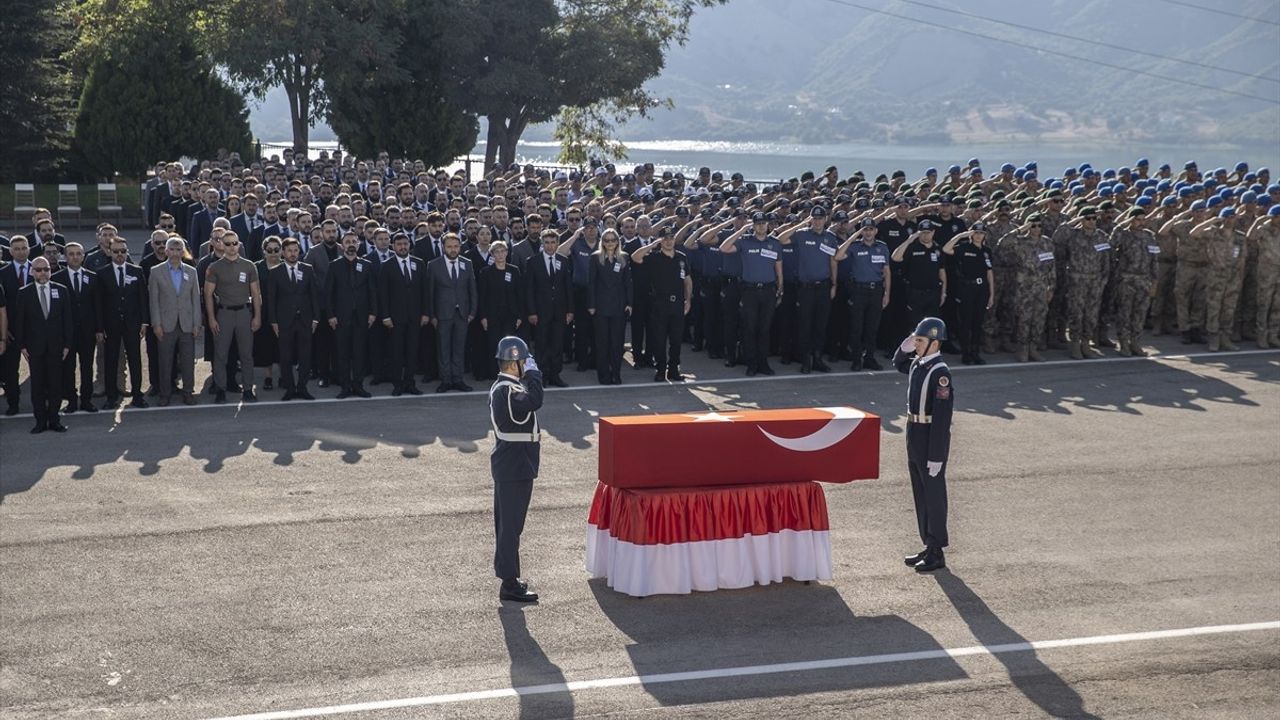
{"x":126,"y":315}
{"x":86,"y":322}
{"x":549,"y":300}
{"x":429,"y":247}
{"x":13,"y":277}
{"x":42,"y":329}
{"x":351,"y":301}
{"x":451,"y":305}
{"x":201,"y":224}
{"x":402,"y":301}
{"x":246,"y":225}
{"x":295,"y":312}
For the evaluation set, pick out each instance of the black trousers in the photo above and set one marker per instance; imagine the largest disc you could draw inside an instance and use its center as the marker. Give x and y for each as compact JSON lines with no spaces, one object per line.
{"x":9,"y":373}
{"x":584,"y":337}
{"x":350,"y":346}
{"x":758,"y":303}
{"x":640,"y":327}
{"x":864,"y":320}
{"x":323,"y":348}
{"x":929,"y":493}
{"x":922,"y":303}
{"x":814,"y":302}
{"x":731,"y":316}
{"x":378,"y":344}
{"x":785,"y":326}
{"x":46,"y":384}
{"x":695,"y":332}
{"x":428,"y":352}
{"x":712,"y":328}
{"x":971,"y":311}
{"x":666,"y":326}
{"x":510,"y":507}
{"x":295,"y":349}
{"x":609,"y":330}
{"x":548,"y":342}
{"x":893,"y":322}
{"x":128,"y":337}
{"x":403,"y":351}
{"x":838,"y":323}
{"x":81,"y":357}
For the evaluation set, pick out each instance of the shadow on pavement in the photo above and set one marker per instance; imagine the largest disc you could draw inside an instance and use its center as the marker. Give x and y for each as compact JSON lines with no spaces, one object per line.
{"x":781,"y":623}
{"x":530,"y":668}
{"x":1035,"y":680}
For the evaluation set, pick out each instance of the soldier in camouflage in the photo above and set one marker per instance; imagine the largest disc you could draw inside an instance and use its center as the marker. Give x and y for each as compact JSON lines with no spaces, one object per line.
{"x":1192,"y":276}
{"x":1224,"y":265}
{"x":998,"y":326}
{"x":1163,"y":313}
{"x":1086,"y":253}
{"x":1029,"y":257}
{"x":1136,"y":253}
{"x":1265,"y":237}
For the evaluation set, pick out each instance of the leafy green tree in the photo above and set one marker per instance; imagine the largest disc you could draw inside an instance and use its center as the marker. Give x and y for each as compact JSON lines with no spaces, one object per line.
{"x":398,"y":102}
{"x":145,"y":101}
{"x":37,"y":89}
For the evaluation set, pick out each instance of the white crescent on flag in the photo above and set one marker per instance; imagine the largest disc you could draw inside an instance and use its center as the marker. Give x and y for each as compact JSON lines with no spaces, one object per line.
{"x":844,"y":420}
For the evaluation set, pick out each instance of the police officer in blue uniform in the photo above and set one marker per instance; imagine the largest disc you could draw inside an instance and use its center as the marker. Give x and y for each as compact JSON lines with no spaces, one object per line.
{"x":929,"y":402}
{"x":815,"y":246}
{"x":869,"y":280}
{"x":761,"y":288}
{"x":514,"y":401}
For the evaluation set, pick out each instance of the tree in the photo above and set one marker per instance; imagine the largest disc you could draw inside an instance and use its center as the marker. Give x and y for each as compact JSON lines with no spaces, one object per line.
{"x":268,"y":43}
{"x":398,"y":102}
{"x":523,"y":61}
{"x":145,"y":101}
{"x":37,"y":96}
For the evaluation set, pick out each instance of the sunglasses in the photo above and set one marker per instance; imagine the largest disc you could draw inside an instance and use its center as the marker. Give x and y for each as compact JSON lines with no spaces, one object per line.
{"x":41,"y":269}
{"x":230,"y":243}
{"x":166,"y":227}
{"x":272,"y":251}
{"x":119,"y":252}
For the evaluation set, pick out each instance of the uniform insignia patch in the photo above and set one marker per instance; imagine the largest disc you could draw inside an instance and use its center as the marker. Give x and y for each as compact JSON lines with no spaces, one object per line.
{"x":943,"y":392}
{"x":944,"y":381}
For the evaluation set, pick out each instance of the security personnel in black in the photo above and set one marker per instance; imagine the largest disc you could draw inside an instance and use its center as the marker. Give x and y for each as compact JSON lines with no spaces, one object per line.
{"x":671,"y":298}
{"x":929,"y":403}
{"x":975,"y":288}
{"x":922,"y":270}
{"x":731,"y":293}
{"x":870,"y":288}
{"x":761,"y":287}
{"x":514,"y":401}
{"x":815,"y":246}
{"x":351,"y":301}
{"x":894,"y":232}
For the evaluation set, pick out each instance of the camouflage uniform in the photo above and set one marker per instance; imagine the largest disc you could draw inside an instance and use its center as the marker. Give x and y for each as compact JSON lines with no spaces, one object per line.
{"x":1267,"y":323}
{"x":1191,"y":279}
{"x":1247,"y":306}
{"x":1030,"y":261}
{"x":1136,"y":254}
{"x":1163,"y":314}
{"x":1087,"y":256}
{"x":1107,"y":306}
{"x":1056,"y":324}
{"x":1223,"y":287}
{"x":998,"y":326}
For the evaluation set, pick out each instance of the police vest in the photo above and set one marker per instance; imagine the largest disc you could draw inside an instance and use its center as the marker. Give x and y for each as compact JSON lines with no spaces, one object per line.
{"x":506,"y":426}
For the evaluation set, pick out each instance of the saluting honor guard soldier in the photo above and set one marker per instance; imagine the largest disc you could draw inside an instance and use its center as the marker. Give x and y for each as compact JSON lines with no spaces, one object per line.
{"x":929,"y":402}
{"x":514,"y":400}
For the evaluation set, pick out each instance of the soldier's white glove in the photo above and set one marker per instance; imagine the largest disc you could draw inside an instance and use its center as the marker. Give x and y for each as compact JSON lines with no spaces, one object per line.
{"x":530,"y":364}
{"x":934,"y":468}
{"x":909,"y":344}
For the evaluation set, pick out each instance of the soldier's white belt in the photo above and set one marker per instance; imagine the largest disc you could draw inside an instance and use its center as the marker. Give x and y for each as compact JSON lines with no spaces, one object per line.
{"x":920,"y":419}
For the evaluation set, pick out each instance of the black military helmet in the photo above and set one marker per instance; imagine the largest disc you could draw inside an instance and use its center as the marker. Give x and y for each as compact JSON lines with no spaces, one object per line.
{"x":931,"y":328}
{"x":512,"y":349}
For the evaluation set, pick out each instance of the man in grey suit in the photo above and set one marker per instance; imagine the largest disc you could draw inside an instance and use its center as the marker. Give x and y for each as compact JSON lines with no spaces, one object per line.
{"x":175,"y":319}
{"x":451,"y":305}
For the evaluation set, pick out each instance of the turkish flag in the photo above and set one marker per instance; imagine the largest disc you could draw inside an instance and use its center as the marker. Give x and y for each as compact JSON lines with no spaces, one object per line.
{"x":746,"y":447}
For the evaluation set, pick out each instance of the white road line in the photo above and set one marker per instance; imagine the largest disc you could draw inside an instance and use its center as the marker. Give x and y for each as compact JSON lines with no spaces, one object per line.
{"x":751,"y":670}
{"x":121,"y":413}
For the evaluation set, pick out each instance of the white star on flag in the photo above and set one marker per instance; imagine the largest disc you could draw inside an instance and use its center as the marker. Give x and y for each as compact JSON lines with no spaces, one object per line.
{"x":712,"y":416}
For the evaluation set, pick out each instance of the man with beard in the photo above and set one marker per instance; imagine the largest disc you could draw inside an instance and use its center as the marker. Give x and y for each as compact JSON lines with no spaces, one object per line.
{"x":351,"y":301}
{"x":402,"y":302}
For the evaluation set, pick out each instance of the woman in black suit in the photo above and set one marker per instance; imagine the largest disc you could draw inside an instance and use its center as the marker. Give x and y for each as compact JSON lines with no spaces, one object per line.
{"x":501,"y":308}
{"x":609,"y":297}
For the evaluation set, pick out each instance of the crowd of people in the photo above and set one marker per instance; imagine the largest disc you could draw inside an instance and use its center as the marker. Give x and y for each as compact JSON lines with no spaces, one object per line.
{"x":358,"y":273}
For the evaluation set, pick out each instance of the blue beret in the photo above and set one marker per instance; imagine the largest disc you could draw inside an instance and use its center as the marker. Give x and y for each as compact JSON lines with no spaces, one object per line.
{"x":1020,"y":173}
{"x":1226,"y":193}
{"x":1085,"y":166}
{"x":1077,"y":190}
{"x":1163,"y":186}
{"x":1031,"y":174}
{"x":1227,"y":212}
{"x":1264,"y":201}
{"x":1210,"y":183}
{"x":1274,"y":211}
{"x":1165,"y":167}
{"x":1125,"y":171}
{"x":931,"y":171}
{"x":1273,"y":187}
{"x":1142,"y":162}
{"x":973,"y":162}
{"x":1109,"y":173}
{"x":1055,"y":184}
{"x":1169,"y":201}
{"x":1189,"y":165}
{"x":1187,"y":192}
{"x":1249,"y":197}
{"x":1250,"y":177}
{"x":1148,"y":191}
{"x":1143,"y":201}
{"x":1214,"y":201}
{"x":1242,"y":167}
{"x":1199,"y":188}
{"x":953,"y":169}
{"x":1219,"y":171}
{"x":1121,"y":188}
{"x":1007,"y":167}
{"x":1069,"y":172}
{"x":1032,"y":165}
{"x":1199,"y":205}
{"x":1105,"y":192}
{"x":1088,"y":172}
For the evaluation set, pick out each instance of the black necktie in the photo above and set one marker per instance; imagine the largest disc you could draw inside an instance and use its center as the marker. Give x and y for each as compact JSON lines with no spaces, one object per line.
{"x":78,"y":281}
{"x":121,"y":269}
{"x":453,"y":270}
{"x":24,"y":276}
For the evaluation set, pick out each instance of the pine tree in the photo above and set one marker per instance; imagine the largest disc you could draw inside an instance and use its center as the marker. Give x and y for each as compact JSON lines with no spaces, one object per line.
{"x":36,"y":88}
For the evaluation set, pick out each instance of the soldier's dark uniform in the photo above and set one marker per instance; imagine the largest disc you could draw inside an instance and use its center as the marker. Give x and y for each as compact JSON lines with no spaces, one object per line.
{"x":930,"y":397}
{"x":513,"y":406}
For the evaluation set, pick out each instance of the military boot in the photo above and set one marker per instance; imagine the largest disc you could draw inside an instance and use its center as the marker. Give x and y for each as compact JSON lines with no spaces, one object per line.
{"x":1262,"y":342}
{"x":1089,"y":352}
{"x":1213,"y":344}
{"x":1034,"y":353}
{"x":1074,"y":347}
{"x":1022,"y":353}
{"x":1136,"y":350}
{"x":1226,"y":343}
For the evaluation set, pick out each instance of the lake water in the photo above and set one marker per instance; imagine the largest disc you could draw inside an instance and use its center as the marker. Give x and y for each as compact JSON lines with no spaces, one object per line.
{"x":770,"y":162}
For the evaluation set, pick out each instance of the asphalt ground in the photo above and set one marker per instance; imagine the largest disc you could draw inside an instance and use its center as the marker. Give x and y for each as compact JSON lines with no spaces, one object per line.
{"x":228,"y":560}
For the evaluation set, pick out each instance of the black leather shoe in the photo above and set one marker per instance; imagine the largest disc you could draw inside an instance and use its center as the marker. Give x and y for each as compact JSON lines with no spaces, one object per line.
{"x":248,"y":396}
{"x":932,"y":561}
{"x":516,"y":591}
{"x":442,"y":388}
{"x":821,"y":366}
{"x":730,"y":362}
{"x":220,"y":396}
{"x":412,"y":389}
{"x":766,"y":370}
{"x":268,"y":384}
{"x":234,"y":387}
{"x":977,"y":360}
{"x":872,"y":364}
{"x":304,"y":395}
{"x":344,"y":393}
{"x":463,"y":387}
{"x":323,"y":382}
{"x":11,"y":411}
{"x":806,"y":367}
{"x":57,"y":427}
{"x":659,"y":376}
{"x":38,"y":429}
{"x":288,"y":395}
{"x":675,"y":376}
{"x":139,"y":402}
{"x":751,"y":371}
{"x":558,"y":382}
{"x":855,"y":366}
{"x":88,"y":407}
{"x":361,"y":392}
{"x":72,"y":406}
{"x":911,"y":560}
